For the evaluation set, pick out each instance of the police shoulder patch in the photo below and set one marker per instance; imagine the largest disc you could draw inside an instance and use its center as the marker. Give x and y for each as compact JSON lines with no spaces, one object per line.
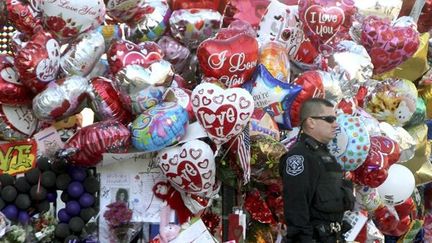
{"x":294,"y":165}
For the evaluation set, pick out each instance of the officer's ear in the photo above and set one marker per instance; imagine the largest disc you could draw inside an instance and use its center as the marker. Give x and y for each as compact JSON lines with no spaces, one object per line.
{"x":309,"y":123}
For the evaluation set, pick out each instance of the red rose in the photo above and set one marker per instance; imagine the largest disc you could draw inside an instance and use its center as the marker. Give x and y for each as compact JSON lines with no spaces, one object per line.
{"x":55,"y":23}
{"x":69,"y":32}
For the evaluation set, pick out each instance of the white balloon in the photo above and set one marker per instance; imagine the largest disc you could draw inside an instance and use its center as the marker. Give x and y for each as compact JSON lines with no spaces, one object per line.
{"x":398,"y":186}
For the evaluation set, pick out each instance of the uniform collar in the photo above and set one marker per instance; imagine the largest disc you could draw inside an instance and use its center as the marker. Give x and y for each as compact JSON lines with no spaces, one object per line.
{"x":304,"y":136}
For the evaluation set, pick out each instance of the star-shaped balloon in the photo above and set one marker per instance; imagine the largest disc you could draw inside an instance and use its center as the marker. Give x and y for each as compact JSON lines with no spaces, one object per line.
{"x":272,"y":95}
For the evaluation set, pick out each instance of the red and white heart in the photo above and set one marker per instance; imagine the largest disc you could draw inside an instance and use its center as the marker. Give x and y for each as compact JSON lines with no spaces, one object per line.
{"x":194,"y":171}
{"x":324,"y":22}
{"x":123,"y":53}
{"x":226,"y":119}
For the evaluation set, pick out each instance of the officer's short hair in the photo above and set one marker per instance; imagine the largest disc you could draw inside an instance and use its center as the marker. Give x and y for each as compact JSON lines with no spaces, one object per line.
{"x":313,"y":107}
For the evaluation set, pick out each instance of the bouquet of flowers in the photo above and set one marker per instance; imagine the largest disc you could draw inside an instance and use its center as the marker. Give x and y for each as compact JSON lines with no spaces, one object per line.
{"x":118,"y":217}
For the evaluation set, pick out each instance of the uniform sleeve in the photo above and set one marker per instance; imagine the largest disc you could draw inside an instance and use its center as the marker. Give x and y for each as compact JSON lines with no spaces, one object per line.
{"x":299,"y":177}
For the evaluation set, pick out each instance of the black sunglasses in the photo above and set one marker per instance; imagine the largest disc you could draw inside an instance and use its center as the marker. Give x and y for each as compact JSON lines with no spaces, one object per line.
{"x":329,"y":119}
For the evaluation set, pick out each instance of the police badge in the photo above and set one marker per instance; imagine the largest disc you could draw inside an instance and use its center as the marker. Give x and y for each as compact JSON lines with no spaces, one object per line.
{"x":294,"y":165}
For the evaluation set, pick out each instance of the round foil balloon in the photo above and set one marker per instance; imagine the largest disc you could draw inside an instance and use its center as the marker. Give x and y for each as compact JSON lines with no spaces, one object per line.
{"x":326,"y":22}
{"x":373,"y":171}
{"x":38,"y":61}
{"x":192,"y":26}
{"x":231,"y":60}
{"x":61,"y":99}
{"x":12,"y":91}
{"x":85,"y":147}
{"x":182,"y":97}
{"x":141,"y":88}
{"x":83,"y":54}
{"x":67,"y":19}
{"x":23,"y":16}
{"x":105,"y":101}
{"x":189,"y":168}
{"x":154,"y":22}
{"x":351,"y":144}
{"x":159,"y":127}
{"x":398,"y":186}
{"x":16,"y":122}
{"x":393,"y":101}
{"x":223,"y":113}
{"x":273,"y":56}
{"x":387,"y":146}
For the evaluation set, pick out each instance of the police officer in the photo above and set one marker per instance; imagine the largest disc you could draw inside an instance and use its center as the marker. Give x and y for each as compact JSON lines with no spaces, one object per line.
{"x":315,"y":193}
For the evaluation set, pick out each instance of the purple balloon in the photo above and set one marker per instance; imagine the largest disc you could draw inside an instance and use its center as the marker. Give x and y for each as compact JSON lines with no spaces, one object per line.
{"x":10,"y":211}
{"x":63,"y":216}
{"x":52,"y":196}
{"x":73,"y":208}
{"x":77,"y":173}
{"x":75,"y":189}
{"x":86,"y":200}
{"x":23,"y":217}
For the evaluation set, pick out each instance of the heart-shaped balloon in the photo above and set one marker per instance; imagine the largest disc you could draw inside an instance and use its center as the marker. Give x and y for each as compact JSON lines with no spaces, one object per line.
{"x":388,"y":45}
{"x":12,"y":91}
{"x":123,"y":52}
{"x":175,"y":53}
{"x":68,"y":19}
{"x":61,"y":99}
{"x":236,"y":27}
{"x":83,"y":54}
{"x":231,"y":60}
{"x":105,"y":101}
{"x":387,"y":146}
{"x":189,"y":168}
{"x":38,"y":61}
{"x":23,"y":16}
{"x":326,"y":22}
{"x":85,"y":148}
{"x":141,"y":88}
{"x":223,"y":113}
{"x":16,"y":122}
{"x":374,"y":170}
{"x":158,"y":127}
{"x":192,"y":26}
{"x":124,"y":11}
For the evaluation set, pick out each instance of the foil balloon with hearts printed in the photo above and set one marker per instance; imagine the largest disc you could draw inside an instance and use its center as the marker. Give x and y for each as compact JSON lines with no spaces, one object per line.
{"x":190,"y":167}
{"x":326,"y":22}
{"x":12,"y":91}
{"x":223,"y":113}
{"x":38,"y":61}
{"x":24,"y":16}
{"x":68,"y":19}
{"x":122,"y":53}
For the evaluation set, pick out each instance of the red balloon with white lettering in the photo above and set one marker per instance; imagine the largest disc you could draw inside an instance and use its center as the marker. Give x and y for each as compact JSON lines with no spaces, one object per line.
{"x":38,"y":62}
{"x":223,"y":113}
{"x":23,"y":16}
{"x":326,"y":22}
{"x":123,"y":53}
{"x":232,"y":60}
{"x":68,"y":19}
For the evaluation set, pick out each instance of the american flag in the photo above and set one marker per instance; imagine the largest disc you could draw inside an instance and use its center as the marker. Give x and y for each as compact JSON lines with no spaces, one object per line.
{"x":242,"y":143}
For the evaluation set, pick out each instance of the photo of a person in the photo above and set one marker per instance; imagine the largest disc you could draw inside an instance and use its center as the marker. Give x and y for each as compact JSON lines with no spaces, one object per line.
{"x":122,"y":195}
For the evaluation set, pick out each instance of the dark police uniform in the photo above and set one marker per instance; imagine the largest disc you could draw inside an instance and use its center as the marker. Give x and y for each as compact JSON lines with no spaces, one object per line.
{"x":315,"y":193}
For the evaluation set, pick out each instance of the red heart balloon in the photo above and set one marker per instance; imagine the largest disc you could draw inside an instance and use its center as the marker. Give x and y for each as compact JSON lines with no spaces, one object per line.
{"x":38,"y":61}
{"x":123,"y":53}
{"x":386,"y":219}
{"x":387,"y":45}
{"x":23,"y":16}
{"x":387,"y":146}
{"x":231,"y":60}
{"x":373,"y":171}
{"x":12,"y":91}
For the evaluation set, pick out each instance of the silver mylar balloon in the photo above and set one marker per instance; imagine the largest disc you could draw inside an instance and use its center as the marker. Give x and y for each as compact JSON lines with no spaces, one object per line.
{"x":141,"y":88}
{"x":61,"y":99}
{"x":83,"y":54}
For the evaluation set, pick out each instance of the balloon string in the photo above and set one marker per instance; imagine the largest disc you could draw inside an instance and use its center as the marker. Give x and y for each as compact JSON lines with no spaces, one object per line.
{"x":232,"y":143}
